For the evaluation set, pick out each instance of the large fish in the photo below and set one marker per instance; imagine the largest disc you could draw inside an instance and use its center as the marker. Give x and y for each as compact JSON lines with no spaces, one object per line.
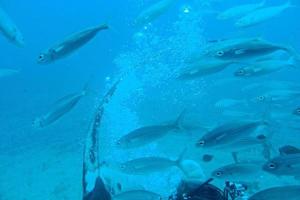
{"x":146,"y":165}
{"x":291,"y":192}
{"x":264,"y":68}
{"x":262,"y":15}
{"x":284,"y":165}
{"x":8,"y":72}
{"x":137,"y":195}
{"x":148,"y":134}
{"x":243,"y":171}
{"x":69,"y":44}
{"x":240,"y":10}
{"x":231,"y":135}
{"x":10,"y":30}
{"x":94,"y":187}
{"x":244,"y":48}
{"x":153,"y":12}
{"x":203,"y":67}
{"x":59,"y":109}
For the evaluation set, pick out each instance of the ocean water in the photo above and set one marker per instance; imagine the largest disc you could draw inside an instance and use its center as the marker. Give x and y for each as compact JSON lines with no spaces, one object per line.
{"x":46,"y":163}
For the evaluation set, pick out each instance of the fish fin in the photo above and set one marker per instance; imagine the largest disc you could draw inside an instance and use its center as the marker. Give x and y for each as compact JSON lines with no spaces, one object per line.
{"x":235,"y":157}
{"x":179,"y":160}
{"x":103,"y":26}
{"x":178,"y":121}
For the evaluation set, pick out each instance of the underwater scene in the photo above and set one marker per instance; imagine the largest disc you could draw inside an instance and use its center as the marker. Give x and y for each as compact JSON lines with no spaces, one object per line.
{"x":150,"y":100}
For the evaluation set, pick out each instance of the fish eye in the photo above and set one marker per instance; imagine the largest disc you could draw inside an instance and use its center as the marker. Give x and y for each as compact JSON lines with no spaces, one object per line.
{"x":219,"y":174}
{"x":241,"y":72}
{"x":220,"y":53}
{"x":123,"y":166}
{"x":201,"y":143}
{"x":261,"y":98}
{"x":272,"y":165}
{"x":41,"y":57}
{"x":298,"y":110}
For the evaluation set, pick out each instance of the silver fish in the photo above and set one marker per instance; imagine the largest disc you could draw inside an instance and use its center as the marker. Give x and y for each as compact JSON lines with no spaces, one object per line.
{"x":137,"y":195}
{"x":244,"y":48}
{"x":203,"y":67}
{"x":10,"y":30}
{"x":153,"y":12}
{"x":146,"y":165}
{"x":262,"y":15}
{"x":59,"y":109}
{"x":277,"y":96}
{"x":148,"y":134}
{"x":278,"y":193}
{"x":284,"y":165}
{"x":244,"y":171}
{"x":264,"y":68}
{"x":230,"y":135}
{"x":69,"y":45}
{"x":240,"y":10}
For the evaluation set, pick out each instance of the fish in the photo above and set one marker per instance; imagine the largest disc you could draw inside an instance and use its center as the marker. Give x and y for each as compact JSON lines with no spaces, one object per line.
{"x":148,"y":134}
{"x":203,"y":67}
{"x":153,"y":12}
{"x":10,"y":30}
{"x":244,"y":48}
{"x":297,"y":111}
{"x":291,"y":192}
{"x":59,"y":109}
{"x":230,"y":134}
{"x":262,"y":15}
{"x":241,"y":171}
{"x":8,"y":72}
{"x":277,"y":96}
{"x":284,"y":165}
{"x":264,"y":68}
{"x":240,"y":10}
{"x":288,"y":149}
{"x":137,"y":195}
{"x":69,"y":45}
{"x":93,"y":184}
{"x":147,"y":165}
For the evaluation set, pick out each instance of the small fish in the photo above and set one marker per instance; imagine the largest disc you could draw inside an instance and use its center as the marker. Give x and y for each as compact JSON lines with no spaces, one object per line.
{"x":244,"y":48}
{"x":277,"y":96}
{"x":243,"y":171}
{"x":284,"y":165}
{"x":291,"y":192}
{"x":153,"y":12}
{"x":263,"y":68}
{"x":69,"y":45}
{"x":10,"y":30}
{"x":297,"y":112}
{"x":230,"y":134}
{"x":146,"y":165}
{"x":137,"y":195}
{"x":8,"y":72}
{"x":148,"y":134}
{"x":262,"y":15}
{"x":60,"y":108}
{"x":288,"y":149}
{"x":240,"y":10}
{"x":203,"y":67}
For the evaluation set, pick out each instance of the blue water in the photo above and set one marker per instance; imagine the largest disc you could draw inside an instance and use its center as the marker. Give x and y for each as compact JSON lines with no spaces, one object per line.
{"x":47,"y":163}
